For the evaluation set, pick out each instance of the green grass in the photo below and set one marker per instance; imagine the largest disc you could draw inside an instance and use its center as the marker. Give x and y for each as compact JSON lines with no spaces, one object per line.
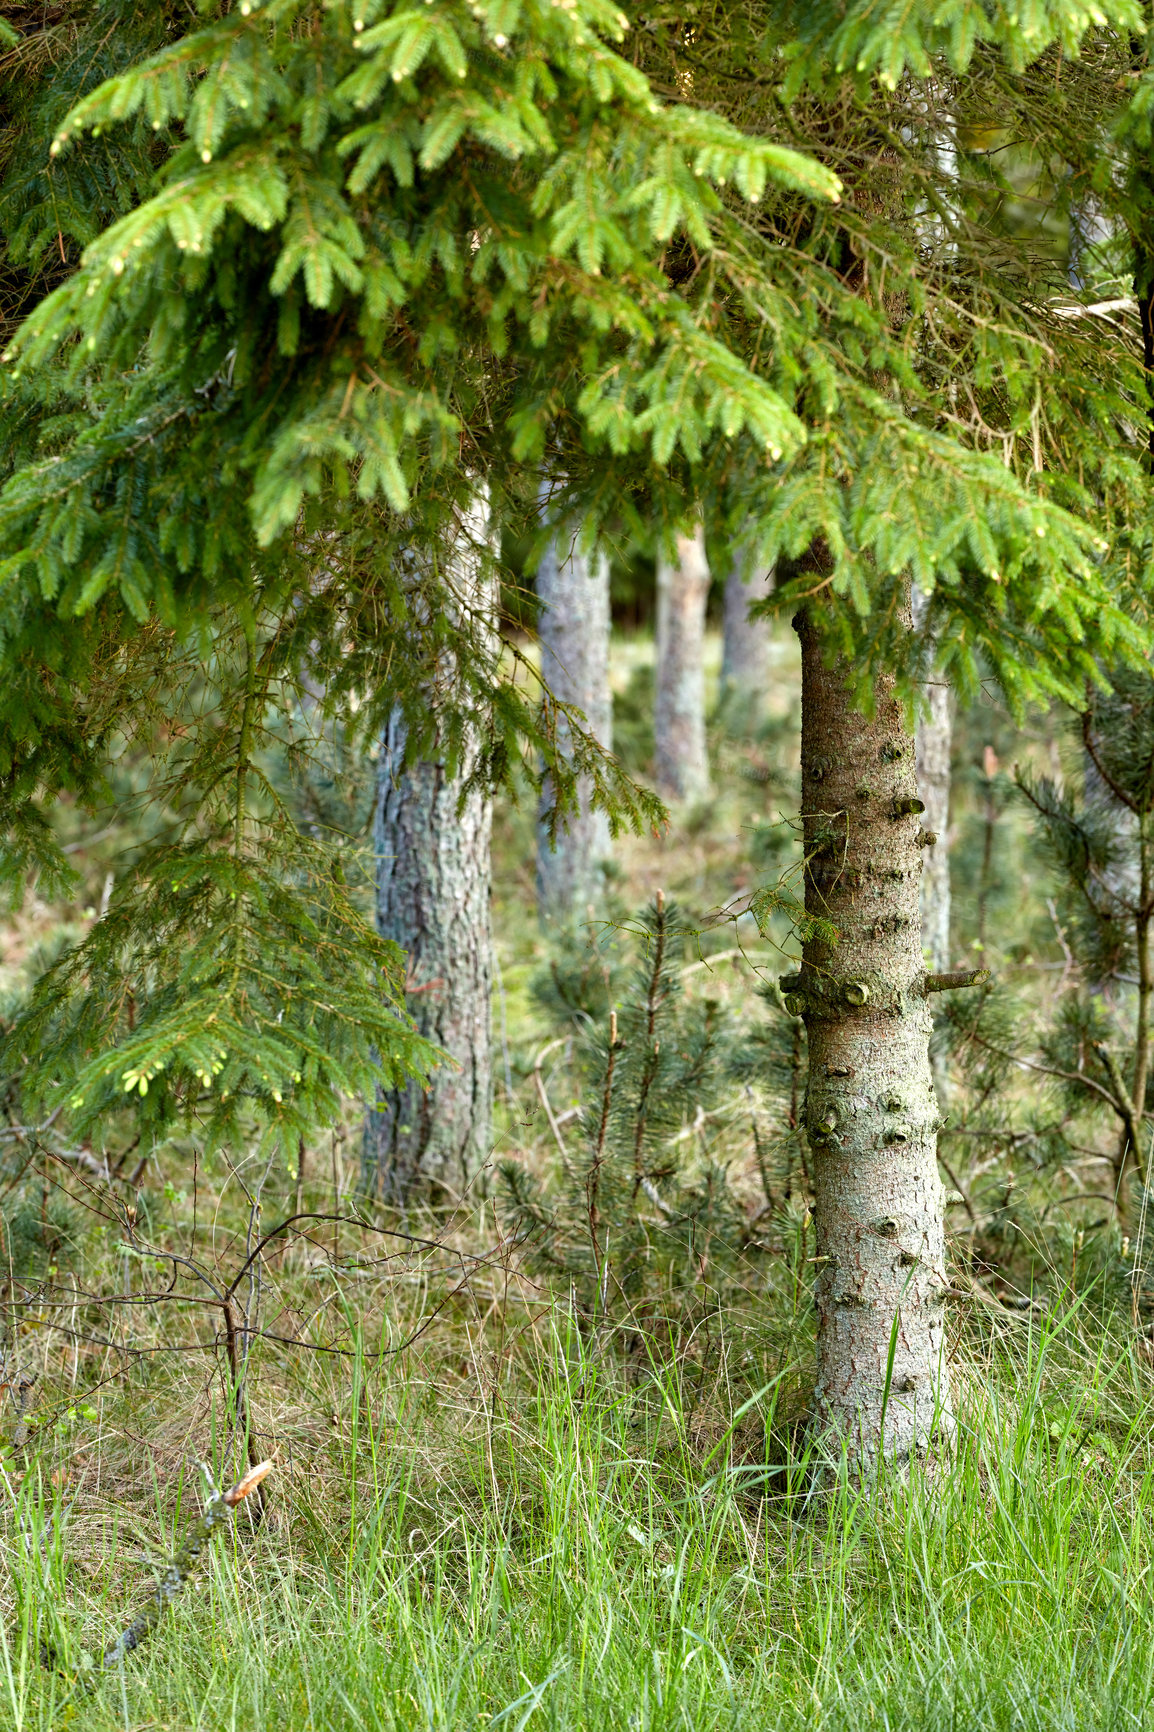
{"x":574,"y":1553}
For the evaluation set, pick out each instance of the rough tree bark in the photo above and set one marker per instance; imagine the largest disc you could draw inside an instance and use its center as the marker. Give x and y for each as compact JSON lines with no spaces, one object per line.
{"x":934,"y":741}
{"x":871,"y":1115}
{"x":745,"y":641}
{"x":934,"y":738}
{"x":573,"y":626}
{"x":433,"y":884}
{"x":681,"y":765}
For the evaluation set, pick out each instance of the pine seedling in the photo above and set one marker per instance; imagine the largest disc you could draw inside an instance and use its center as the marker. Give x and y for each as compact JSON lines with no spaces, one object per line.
{"x":642,"y":1222}
{"x":1088,"y":1060}
{"x":1101,"y":845}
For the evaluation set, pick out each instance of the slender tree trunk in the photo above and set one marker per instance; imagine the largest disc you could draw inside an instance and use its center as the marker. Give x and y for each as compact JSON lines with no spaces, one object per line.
{"x":870,"y":1111}
{"x":433,"y":886}
{"x":573,"y":626}
{"x":745,"y":641}
{"x":1120,"y":876}
{"x":681,"y":765}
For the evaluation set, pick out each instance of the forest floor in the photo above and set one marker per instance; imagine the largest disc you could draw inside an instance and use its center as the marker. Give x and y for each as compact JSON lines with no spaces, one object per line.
{"x":483,"y":1512}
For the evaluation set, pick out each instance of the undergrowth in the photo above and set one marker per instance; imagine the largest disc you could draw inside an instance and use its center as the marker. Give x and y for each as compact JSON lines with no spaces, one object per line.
{"x":564,"y":1547}
{"x":542,"y":1461}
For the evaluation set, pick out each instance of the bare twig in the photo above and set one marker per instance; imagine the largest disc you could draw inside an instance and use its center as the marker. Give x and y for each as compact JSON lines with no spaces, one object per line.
{"x":217,"y":1512}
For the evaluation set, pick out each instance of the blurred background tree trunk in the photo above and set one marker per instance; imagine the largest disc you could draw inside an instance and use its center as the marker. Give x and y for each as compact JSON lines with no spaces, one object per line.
{"x":573,"y":628}
{"x":933,"y":745}
{"x":745,"y":641}
{"x":933,"y":748}
{"x":681,"y":763}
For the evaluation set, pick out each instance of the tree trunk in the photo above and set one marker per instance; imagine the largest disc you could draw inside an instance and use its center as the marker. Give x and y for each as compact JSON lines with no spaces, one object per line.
{"x":745,"y":641}
{"x":433,"y":884}
{"x":681,"y":766}
{"x":933,"y":743}
{"x":573,"y":626}
{"x":871,"y":1115}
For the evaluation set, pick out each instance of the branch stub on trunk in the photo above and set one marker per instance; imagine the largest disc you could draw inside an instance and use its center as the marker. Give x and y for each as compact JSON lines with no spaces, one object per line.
{"x":952,"y":982}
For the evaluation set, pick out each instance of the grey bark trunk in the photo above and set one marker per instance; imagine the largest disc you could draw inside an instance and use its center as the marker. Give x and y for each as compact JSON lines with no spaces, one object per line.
{"x":745,"y":641}
{"x":573,"y":626}
{"x":433,"y":885}
{"x":933,"y":746}
{"x":871,"y":1115}
{"x":681,"y":764}
{"x":934,"y":742}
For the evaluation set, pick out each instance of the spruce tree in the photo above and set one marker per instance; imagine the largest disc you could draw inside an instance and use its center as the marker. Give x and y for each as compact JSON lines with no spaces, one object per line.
{"x":870,"y":1112}
{"x":296,"y":338}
